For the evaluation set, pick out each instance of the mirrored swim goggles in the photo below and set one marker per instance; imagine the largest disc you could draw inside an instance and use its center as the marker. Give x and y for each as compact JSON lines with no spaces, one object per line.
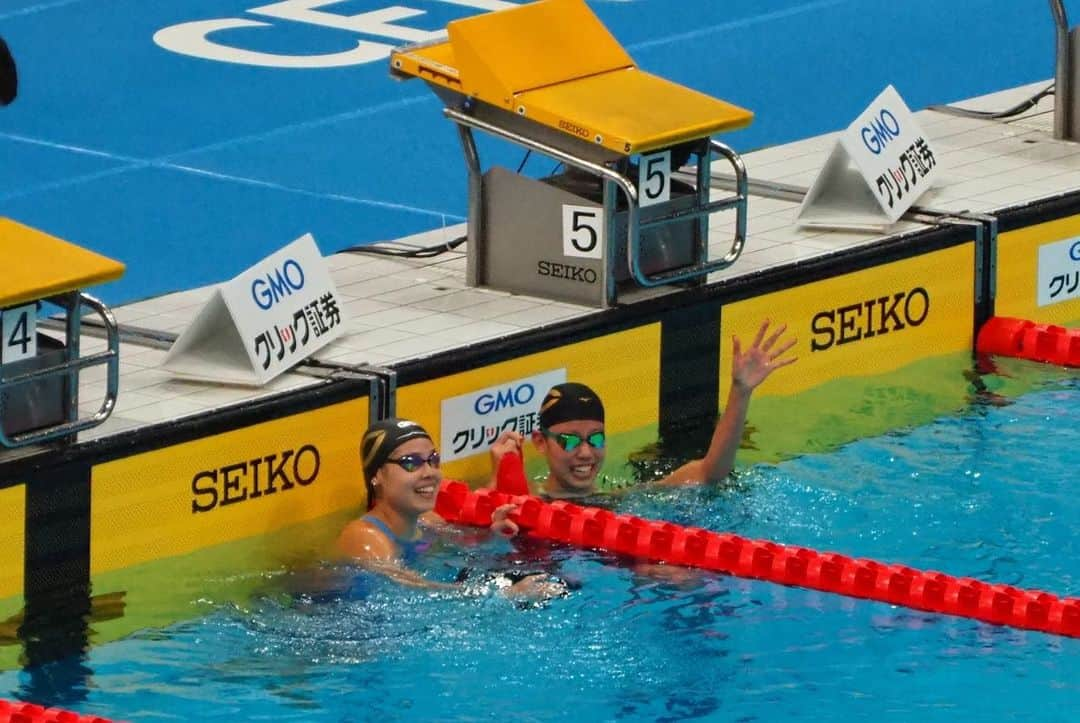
{"x":570,"y":441}
{"x":414,"y":461}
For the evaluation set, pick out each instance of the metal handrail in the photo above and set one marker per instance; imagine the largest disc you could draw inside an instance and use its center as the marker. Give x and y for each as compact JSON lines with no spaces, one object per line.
{"x":1062,"y":72}
{"x":634,"y":224}
{"x":705,"y":267}
{"x":70,"y":370}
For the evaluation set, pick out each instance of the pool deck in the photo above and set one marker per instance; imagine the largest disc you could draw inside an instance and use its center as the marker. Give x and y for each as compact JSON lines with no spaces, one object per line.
{"x":400,"y":310}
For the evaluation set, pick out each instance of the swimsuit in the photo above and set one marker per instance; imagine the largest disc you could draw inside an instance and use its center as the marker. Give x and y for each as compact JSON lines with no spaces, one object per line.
{"x":409,"y":549}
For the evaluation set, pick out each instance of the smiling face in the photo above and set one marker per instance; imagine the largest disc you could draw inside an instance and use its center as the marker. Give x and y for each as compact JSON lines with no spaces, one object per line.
{"x":572,"y":473}
{"x":408,"y":494}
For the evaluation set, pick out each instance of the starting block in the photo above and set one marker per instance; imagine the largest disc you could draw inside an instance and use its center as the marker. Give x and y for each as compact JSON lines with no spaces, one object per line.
{"x":549,"y":77}
{"x":39,"y":375}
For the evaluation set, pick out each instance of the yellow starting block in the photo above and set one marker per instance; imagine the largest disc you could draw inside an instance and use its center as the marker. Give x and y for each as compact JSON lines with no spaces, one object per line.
{"x":549,"y":76}
{"x":39,"y":376}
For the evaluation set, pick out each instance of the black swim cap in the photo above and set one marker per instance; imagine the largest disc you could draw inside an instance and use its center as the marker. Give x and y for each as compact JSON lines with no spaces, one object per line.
{"x":569,"y":401}
{"x":382,"y":438}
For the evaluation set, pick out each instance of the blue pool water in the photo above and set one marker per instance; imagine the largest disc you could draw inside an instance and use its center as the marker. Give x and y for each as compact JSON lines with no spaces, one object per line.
{"x":987,"y":493}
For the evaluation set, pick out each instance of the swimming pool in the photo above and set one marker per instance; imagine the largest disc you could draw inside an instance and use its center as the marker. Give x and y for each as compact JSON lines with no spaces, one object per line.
{"x":985,"y":493}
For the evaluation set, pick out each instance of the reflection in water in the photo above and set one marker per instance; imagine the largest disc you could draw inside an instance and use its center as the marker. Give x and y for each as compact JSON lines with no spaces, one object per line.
{"x":54,"y":630}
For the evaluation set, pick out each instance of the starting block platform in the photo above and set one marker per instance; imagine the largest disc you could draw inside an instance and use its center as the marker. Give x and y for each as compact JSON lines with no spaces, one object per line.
{"x":550,"y":78}
{"x":555,"y":64}
{"x":39,"y":376}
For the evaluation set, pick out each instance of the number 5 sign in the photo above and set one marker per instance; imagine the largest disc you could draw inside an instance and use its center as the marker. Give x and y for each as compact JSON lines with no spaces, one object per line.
{"x":654,"y":182}
{"x":583,"y":231}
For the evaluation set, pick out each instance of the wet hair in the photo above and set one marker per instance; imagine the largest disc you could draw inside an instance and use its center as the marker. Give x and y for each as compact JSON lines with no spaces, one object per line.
{"x":379,"y":441}
{"x":569,"y":401}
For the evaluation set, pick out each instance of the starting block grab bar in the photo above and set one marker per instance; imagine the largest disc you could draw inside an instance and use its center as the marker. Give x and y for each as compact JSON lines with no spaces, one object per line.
{"x":635,"y":225}
{"x":39,"y":374}
{"x":69,"y":370}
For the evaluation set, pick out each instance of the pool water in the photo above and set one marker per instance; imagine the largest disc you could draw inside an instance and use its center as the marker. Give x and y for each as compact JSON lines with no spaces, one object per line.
{"x":987,"y":493}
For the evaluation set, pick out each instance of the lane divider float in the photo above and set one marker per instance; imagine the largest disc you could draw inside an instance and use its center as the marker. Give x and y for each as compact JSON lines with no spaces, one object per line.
{"x":596,"y":528}
{"x":32,"y":713}
{"x":1027,"y":340}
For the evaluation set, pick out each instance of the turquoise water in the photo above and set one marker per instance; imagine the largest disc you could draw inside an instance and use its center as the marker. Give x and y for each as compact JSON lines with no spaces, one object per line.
{"x":988,"y":493}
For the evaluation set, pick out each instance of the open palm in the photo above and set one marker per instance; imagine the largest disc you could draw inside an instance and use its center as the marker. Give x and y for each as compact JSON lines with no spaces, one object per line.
{"x":762,"y":357}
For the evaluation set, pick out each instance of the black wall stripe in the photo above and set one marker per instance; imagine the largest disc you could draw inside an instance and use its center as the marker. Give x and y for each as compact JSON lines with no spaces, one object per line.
{"x":57,"y":564}
{"x":689,"y":378}
{"x":985,"y":271}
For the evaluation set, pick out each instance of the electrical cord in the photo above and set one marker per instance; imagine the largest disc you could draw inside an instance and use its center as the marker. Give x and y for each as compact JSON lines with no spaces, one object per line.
{"x":995,"y":115}
{"x":523,"y":160}
{"x":424,"y":252}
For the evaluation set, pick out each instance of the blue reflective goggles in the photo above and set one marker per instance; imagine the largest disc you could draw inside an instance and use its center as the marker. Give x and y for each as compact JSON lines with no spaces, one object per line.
{"x":414,"y":461}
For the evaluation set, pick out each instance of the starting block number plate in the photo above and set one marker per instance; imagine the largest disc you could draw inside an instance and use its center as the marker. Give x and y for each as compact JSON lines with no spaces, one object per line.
{"x":18,"y":333}
{"x":583,"y":231}
{"x":654,"y":179}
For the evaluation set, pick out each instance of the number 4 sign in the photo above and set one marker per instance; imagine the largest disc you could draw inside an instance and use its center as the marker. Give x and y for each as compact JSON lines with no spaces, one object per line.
{"x":18,"y":331}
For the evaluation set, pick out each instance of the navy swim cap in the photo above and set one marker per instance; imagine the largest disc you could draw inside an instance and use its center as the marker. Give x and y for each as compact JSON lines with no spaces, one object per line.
{"x":570,"y":401}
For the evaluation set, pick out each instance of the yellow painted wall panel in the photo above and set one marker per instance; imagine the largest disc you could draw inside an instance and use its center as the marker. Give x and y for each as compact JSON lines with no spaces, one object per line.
{"x":1018,"y":273}
{"x":863,"y":323}
{"x":12,"y":544}
{"x":878,"y":349}
{"x":205,"y":492}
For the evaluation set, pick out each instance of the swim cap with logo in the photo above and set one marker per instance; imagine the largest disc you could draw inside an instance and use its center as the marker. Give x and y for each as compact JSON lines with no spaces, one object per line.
{"x":569,"y":401}
{"x":382,"y":438}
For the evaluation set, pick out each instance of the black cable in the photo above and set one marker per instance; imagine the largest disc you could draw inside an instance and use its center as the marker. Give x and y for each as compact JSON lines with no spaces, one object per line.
{"x":994,"y":115}
{"x":425,"y":252}
{"x":522,"y":164}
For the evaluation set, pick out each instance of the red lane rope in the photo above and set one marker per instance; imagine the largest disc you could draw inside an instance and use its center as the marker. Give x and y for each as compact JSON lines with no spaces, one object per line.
{"x":1027,"y":340}
{"x":31,"y":713}
{"x":596,"y":528}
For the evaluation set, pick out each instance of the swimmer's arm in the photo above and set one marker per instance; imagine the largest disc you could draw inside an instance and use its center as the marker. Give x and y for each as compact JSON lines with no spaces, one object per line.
{"x":720,"y":457}
{"x":748,"y":370}
{"x":403,"y":575}
{"x":372,"y":551}
{"x":434,"y":521}
{"x":467,"y":533}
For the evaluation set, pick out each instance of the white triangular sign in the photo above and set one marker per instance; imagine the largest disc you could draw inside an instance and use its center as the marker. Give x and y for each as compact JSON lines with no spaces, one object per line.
{"x":879,"y":166}
{"x":263,"y":322}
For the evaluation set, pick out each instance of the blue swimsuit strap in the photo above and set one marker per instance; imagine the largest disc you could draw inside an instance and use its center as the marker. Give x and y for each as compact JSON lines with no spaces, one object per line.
{"x":409,"y":548}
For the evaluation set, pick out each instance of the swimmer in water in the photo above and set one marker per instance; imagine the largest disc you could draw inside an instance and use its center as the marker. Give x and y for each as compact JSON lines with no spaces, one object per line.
{"x":572,"y":439}
{"x":402,"y":475}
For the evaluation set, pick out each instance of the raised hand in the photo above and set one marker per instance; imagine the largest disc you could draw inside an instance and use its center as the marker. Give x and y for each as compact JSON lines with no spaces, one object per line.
{"x":761,"y":358}
{"x":509,"y":441}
